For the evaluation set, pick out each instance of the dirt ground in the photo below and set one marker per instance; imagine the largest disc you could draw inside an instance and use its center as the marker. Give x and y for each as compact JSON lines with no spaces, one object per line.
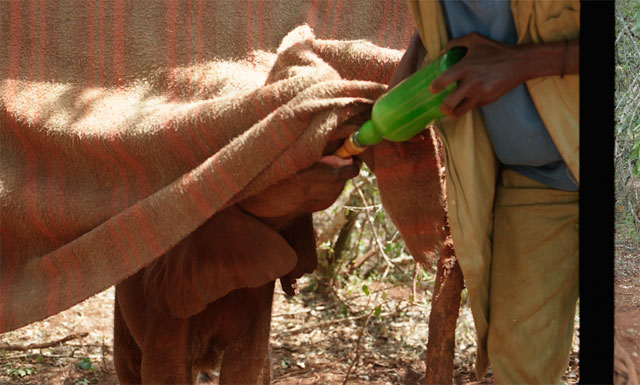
{"x":314,"y":338}
{"x":627,"y":308}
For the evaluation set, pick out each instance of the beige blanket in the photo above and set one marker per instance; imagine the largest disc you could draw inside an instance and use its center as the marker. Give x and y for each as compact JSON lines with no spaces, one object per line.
{"x":126,"y":125}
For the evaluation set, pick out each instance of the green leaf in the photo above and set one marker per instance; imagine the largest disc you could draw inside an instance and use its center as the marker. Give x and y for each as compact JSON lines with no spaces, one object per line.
{"x":377,"y":311}
{"x":365,"y":289}
{"x":636,"y":150}
{"x":636,"y":27}
{"x":388,"y":247}
{"x":22,"y":372}
{"x":635,"y":157}
{"x":85,"y":364}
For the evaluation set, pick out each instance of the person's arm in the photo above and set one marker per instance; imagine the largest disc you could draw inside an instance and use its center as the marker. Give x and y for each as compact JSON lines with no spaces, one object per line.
{"x":491,"y":69}
{"x":410,"y":62}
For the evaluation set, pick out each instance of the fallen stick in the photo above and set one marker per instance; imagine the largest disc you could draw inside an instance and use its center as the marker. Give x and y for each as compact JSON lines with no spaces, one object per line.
{"x":320,"y":308}
{"x":44,"y":345}
{"x":353,"y":362}
{"x":364,"y":325}
{"x":362,"y":259}
{"x":325,"y":323}
{"x":624,"y":371}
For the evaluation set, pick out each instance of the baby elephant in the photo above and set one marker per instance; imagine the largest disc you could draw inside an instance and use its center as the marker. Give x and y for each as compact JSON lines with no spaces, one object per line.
{"x":207,"y":302}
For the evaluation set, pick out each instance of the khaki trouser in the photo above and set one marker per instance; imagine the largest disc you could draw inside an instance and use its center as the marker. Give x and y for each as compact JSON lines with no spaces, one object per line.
{"x":534,"y":281}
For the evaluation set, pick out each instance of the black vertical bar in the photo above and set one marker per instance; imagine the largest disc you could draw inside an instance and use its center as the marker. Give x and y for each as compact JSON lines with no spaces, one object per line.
{"x":597,"y":39}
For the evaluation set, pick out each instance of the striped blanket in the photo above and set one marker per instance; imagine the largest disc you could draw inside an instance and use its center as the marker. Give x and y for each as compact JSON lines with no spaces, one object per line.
{"x":125,"y":125}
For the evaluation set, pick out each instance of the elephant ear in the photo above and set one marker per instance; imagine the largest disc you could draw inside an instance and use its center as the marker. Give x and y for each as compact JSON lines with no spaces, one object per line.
{"x":301,"y":237}
{"x":232,"y":250}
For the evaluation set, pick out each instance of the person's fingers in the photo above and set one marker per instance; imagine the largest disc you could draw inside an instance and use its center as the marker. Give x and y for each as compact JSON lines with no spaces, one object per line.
{"x":335,"y":161}
{"x":455,"y":72}
{"x":462,"y":41}
{"x":449,"y":76}
{"x":409,"y":62}
{"x":422,"y":53}
{"x":404,"y":70}
{"x":463,"y":108}
{"x":453,"y":100}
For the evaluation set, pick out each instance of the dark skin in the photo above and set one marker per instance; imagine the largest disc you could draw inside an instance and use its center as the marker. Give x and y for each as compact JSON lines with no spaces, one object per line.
{"x":490,"y":69}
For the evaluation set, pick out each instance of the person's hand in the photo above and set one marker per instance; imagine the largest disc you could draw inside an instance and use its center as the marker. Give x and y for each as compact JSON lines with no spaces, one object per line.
{"x":488,"y":70}
{"x":410,"y":62}
{"x":491,"y":69}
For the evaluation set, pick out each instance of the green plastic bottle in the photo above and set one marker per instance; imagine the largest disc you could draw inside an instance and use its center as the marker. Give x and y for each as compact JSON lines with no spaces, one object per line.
{"x":407,"y":109}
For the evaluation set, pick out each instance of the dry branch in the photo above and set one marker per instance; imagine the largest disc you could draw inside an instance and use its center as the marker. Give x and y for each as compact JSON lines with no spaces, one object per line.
{"x":357,"y":354}
{"x":364,"y":324}
{"x":624,"y":369}
{"x":325,"y":323}
{"x":319,"y":308}
{"x":43,"y":345}
{"x":362,"y":259}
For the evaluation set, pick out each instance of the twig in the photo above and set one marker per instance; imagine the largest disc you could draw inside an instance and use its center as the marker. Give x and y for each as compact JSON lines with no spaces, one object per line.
{"x":335,"y":294}
{"x":629,"y":33}
{"x":375,"y":233}
{"x":402,"y":259}
{"x":103,"y":348}
{"x":44,"y":345}
{"x":292,"y":373}
{"x":298,"y":312}
{"x":325,"y":323}
{"x":362,"y":208}
{"x":413,"y":282}
{"x":622,"y":245}
{"x":364,"y":324}
{"x":372,"y":291}
{"x":362,"y":259}
{"x":31,"y":355}
{"x":355,"y":359}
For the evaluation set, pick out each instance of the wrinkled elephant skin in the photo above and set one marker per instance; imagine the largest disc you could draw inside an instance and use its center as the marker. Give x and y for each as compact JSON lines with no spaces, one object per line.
{"x":212,"y":293}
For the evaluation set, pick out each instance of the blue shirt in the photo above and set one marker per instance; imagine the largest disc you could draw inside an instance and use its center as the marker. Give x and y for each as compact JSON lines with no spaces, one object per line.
{"x":518,"y":135}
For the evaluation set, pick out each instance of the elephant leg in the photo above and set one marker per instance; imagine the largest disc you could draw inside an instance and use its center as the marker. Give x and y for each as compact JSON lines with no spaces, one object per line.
{"x":164,"y":352}
{"x":246,"y":356}
{"x":265,"y":374}
{"x":442,"y":320}
{"x":126,"y":353}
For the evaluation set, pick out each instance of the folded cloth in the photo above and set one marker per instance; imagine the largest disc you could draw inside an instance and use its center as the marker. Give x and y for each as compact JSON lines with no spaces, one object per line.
{"x":97,"y":181}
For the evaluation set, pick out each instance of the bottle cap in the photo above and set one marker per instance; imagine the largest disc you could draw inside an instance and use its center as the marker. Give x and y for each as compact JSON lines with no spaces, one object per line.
{"x":349,"y":148}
